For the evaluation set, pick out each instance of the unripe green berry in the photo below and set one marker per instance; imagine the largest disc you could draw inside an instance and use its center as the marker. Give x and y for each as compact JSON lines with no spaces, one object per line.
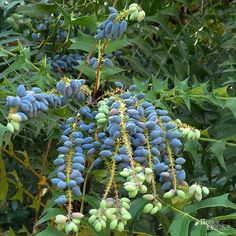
{"x":148,"y":197}
{"x":77,"y":215}
{"x":198,"y":190}
{"x":198,"y":197}
{"x":60,"y":227}
{"x":16,"y":125}
{"x":154,"y":210}
{"x":103,"y":223}
{"x":98,"y":226}
{"x":180,"y":194}
{"x":133,"y":193}
{"x":148,"y":207}
{"x":125,"y":199}
{"x":141,"y":16}
{"x":15,"y":117}
{"x":126,"y":217}
{"x":10,"y":128}
{"x":143,"y":189}
{"x":92,"y":219}
{"x":103,"y":204}
{"x":76,"y":221}
{"x":192,"y":189}
{"x":69,"y":227}
{"x":148,"y":178}
{"x":159,"y":205}
{"x":125,"y":205}
{"x":138,"y":169}
{"x":113,"y":224}
{"x":197,"y":134}
{"x":125,"y":173}
{"x":60,"y":219}
{"x":93,"y":211}
{"x":205,"y":190}
{"x":169,"y":194}
{"x":120,"y":226}
{"x":108,"y":214}
{"x":148,"y":171}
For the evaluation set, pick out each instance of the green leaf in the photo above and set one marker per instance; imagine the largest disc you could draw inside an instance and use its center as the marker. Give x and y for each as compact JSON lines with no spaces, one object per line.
{"x":180,"y":225}
{"x":136,"y":211}
{"x":3,"y":180}
{"x":231,"y":104}
{"x":50,"y":214}
{"x":51,"y":231}
{"x":220,"y":201}
{"x":83,"y":42}
{"x":37,"y":10}
{"x":226,"y":217}
{"x":199,"y":230}
{"x":3,"y":130}
{"x":117,"y":45}
{"x":218,"y":150}
{"x":87,"y":21}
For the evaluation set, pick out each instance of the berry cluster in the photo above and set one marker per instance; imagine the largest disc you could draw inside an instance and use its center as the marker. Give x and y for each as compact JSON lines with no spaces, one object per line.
{"x":93,"y":62}
{"x":28,"y":104}
{"x":124,"y":131}
{"x":113,"y":27}
{"x":43,"y":30}
{"x":114,"y":211}
{"x":136,"y":12}
{"x":72,"y":89}
{"x":187,"y":131}
{"x":65,"y":63}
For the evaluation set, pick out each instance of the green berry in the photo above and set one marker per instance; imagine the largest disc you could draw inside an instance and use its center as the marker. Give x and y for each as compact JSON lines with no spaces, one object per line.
{"x":198,"y":190}
{"x":60,"y":219}
{"x":133,"y":194}
{"x":16,"y":125}
{"x":77,"y":215}
{"x":169,"y":194}
{"x":69,"y":227}
{"x":143,"y":189}
{"x":192,"y":189}
{"x":98,"y":226}
{"x":198,"y":197}
{"x":154,"y":210}
{"x":92,"y":219}
{"x":93,"y":211}
{"x":148,"y":197}
{"x":148,"y":208}
{"x":10,"y":127}
{"x":103,"y":204}
{"x":113,"y":224}
{"x":180,"y":194}
{"x":15,"y":117}
{"x":120,"y":227}
{"x":205,"y":190}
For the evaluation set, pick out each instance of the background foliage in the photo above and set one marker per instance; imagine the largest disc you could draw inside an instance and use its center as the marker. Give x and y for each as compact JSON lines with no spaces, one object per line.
{"x":182,"y":57}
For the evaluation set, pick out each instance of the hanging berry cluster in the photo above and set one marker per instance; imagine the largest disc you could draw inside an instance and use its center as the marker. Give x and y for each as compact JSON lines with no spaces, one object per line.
{"x":135,"y":140}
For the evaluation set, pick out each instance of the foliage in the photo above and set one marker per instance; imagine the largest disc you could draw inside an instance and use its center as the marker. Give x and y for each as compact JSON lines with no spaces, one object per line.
{"x":181,"y":56}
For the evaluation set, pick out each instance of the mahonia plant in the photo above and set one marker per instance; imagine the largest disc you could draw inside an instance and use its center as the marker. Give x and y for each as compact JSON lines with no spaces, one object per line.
{"x":134,"y":139}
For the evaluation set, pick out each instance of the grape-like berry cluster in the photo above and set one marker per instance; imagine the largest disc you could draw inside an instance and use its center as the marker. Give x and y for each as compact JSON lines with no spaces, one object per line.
{"x":113,"y":27}
{"x":28,"y":104}
{"x":65,"y":63}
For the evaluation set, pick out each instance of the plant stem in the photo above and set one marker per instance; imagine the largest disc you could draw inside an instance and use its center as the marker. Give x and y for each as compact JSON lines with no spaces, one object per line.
{"x":87,"y":60}
{"x":84,"y":188}
{"x":217,"y":141}
{"x":98,"y":72}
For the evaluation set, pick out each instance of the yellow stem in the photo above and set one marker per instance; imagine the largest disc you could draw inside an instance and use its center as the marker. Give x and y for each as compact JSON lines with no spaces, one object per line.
{"x":150,"y":164}
{"x":170,"y":155}
{"x":125,"y":134}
